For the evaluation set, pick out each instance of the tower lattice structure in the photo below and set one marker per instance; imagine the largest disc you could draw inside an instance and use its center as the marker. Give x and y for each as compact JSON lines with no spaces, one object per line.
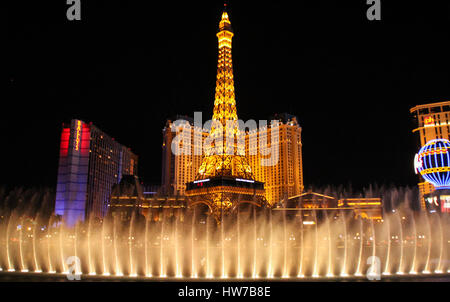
{"x":225,"y":157}
{"x":225,"y":179}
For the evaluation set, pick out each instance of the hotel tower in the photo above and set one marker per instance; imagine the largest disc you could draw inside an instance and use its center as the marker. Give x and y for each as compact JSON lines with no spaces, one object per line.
{"x":90,"y":163}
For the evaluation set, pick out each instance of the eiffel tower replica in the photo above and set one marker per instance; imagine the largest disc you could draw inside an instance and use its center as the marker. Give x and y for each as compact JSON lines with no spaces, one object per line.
{"x":225,"y":180}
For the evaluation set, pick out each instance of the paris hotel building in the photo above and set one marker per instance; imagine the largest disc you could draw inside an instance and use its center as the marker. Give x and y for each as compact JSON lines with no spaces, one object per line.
{"x":432,"y":122}
{"x":281,"y":180}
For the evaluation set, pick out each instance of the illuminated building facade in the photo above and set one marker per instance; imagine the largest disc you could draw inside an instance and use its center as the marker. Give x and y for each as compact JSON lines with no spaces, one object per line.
{"x":90,"y":163}
{"x":129,"y":199}
{"x":281,"y":180}
{"x":284,"y":177}
{"x":177,"y":170}
{"x":126,"y":198}
{"x":365,"y":208}
{"x":311,"y":200}
{"x":433,"y":164}
{"x":438,"y":201}
{"x":312,"y":207}
{"x":433,"y":122}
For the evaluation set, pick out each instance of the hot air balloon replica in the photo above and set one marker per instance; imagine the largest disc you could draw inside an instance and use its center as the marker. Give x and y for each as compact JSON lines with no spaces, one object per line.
{"x":433,"y":164}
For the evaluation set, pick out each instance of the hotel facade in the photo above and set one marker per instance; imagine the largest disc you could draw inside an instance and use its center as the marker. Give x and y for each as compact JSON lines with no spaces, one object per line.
{"x":432,"y":122}
{"x":282,"y":178}
{"x":90,"y":163}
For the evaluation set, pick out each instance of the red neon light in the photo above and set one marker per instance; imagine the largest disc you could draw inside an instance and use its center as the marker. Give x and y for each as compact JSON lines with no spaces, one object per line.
{"x":64,"y":147}
{"x":85,"y":139}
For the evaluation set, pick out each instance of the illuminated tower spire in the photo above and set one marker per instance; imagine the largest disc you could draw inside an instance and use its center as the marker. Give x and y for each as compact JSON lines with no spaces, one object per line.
{"x":224,"y":180}
{"x":225,"y":157}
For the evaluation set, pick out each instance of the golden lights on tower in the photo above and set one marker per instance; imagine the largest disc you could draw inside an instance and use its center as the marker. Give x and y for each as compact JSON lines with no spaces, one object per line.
{"x":224,"y":157}
{"x":225,"y":178}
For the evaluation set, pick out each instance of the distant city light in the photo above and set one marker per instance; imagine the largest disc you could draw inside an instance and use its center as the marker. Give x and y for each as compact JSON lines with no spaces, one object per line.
{"x":245,"y":180}
{"x":200,"y":181}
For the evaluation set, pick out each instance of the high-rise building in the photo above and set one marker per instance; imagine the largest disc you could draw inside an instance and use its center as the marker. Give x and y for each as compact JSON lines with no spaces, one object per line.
{"x":284,"y":177}
{"x":281,"y":180}
{"x":90,"y":163}
{"x":177,"y":170}
{"x":433,"y":122}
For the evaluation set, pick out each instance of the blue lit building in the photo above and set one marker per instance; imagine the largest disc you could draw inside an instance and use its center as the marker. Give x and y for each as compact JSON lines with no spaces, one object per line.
{"x":90,"y":163}
{"x":433,"y":163}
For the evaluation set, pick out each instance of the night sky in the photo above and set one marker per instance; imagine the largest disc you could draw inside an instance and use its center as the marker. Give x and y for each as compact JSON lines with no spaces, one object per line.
{"x":127,"y":68}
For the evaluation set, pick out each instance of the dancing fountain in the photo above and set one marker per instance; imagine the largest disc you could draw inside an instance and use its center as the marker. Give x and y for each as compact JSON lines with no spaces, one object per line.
{"x":249,"y":245}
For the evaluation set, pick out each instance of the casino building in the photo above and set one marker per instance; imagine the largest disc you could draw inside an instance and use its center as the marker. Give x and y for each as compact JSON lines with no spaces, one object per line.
{"x":90,"y":163}
{"x":282,"y":180}
{"x":432,"y":122}
{"x":177,"y":170}
{"x":432,"y":162}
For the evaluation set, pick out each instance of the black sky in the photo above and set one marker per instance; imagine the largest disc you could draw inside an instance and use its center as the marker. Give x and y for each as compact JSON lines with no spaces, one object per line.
{"x":128,"y":67}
